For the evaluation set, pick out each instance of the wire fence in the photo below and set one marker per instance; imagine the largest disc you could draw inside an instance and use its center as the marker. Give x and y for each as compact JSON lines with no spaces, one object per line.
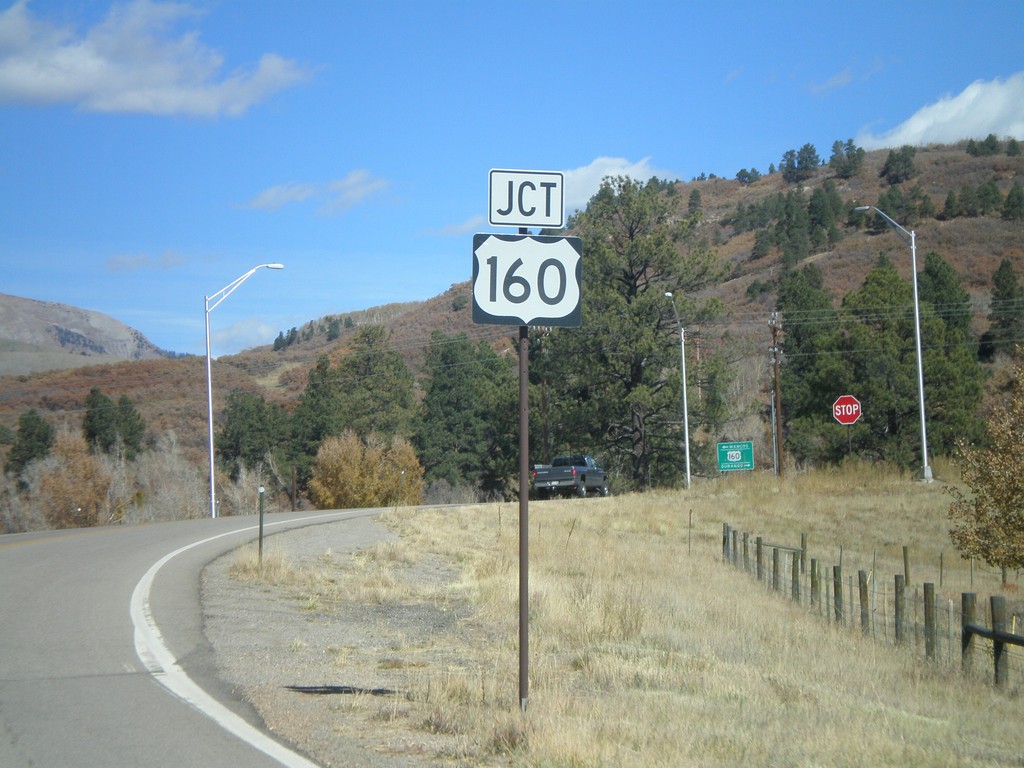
{"x":945,"y":628}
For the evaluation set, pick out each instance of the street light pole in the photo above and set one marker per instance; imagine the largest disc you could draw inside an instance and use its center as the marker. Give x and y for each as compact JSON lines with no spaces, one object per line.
{"x":217,"y":298}
{"x":682,"y":355}
{"x":911,"y":238}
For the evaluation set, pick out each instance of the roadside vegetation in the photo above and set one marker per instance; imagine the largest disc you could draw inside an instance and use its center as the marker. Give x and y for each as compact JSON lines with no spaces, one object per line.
{"x":646,"y":649}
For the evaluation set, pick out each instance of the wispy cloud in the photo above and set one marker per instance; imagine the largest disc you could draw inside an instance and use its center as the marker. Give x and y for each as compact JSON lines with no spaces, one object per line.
{"x":281,"y":195}
{"x":581,"y":184}
{"x":995,"y":106}
{"x":135,"y":262}
{"x":469,"y":226}
{"x":135,"y":60}
{"x":837,"y":81}
{"x":333,"y":197}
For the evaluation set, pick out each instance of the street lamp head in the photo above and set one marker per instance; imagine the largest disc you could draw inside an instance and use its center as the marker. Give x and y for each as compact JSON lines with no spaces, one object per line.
{"x":862,"y":208}
{"x":668,"y":294}
{"x":274,"y":266}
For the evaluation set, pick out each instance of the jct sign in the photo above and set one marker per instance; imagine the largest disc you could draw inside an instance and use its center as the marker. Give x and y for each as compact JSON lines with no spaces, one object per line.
{"x":846,"y":409}
{"x":526,"y":199}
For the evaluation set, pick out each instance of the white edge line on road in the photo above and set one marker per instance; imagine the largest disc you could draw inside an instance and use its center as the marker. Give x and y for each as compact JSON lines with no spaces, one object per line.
{"x":162,"y":664}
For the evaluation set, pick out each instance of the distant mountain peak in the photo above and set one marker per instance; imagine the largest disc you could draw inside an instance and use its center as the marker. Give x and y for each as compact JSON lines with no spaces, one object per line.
{"x":43,"y":335}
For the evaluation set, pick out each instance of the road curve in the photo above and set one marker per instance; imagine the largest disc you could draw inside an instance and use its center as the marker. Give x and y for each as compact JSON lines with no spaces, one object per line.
{"x":103,"y":661}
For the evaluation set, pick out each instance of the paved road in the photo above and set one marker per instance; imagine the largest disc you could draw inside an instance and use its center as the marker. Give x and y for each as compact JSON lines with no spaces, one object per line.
{"x":102,"y":657}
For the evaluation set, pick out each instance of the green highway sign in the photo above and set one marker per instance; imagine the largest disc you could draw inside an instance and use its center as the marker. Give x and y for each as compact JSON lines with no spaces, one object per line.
{"x":734,"y":456}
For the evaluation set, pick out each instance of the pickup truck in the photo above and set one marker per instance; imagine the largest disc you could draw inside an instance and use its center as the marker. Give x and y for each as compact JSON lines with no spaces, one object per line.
{"x":574,"y":474}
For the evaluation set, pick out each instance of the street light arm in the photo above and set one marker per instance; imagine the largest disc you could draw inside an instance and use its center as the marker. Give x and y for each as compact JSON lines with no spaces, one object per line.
{"x":908,"y":236}
{"x":228,"y":289}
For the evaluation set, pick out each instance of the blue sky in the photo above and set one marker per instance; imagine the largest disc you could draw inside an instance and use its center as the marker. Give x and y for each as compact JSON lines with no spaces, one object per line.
{"x":151,"y":152}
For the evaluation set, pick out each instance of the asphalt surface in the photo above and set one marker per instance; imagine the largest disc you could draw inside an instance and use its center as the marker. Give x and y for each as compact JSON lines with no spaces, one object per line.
{"x":103,"y":661}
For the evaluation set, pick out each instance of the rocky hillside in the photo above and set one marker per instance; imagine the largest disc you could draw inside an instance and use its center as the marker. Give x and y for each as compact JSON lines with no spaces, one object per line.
{"x":41,"y":336}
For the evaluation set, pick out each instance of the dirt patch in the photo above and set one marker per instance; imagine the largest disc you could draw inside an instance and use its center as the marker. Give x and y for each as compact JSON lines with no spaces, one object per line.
{"x":331,"y":669}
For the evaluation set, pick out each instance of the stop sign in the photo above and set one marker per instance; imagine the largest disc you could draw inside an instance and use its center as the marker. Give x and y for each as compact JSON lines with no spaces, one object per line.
{"x":846,"y":409}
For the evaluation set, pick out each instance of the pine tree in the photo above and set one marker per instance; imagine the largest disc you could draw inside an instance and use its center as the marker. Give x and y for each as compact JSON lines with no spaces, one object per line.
{"x":32,"y":441}
{"x":466,"y":429}
{"x":1013,"y":205}
{"x":616,"y":378}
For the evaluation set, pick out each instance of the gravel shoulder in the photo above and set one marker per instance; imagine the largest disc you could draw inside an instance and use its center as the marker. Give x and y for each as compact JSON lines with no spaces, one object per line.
{"x":330,"y":667}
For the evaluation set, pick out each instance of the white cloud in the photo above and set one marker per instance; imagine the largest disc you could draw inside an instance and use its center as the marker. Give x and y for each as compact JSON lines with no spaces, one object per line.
{"x":334,"y":197}
{"x":980,"y":109}
{"x":581,"y":184}
{"x":132,"y":61}
{"x":246,"y":334}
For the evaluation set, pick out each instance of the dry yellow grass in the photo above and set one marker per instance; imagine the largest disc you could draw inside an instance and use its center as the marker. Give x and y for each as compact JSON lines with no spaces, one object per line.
{"x":647,"y":650}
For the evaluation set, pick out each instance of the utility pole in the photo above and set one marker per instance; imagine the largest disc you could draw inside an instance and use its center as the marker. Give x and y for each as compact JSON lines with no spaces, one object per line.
{"x":776,"y":353}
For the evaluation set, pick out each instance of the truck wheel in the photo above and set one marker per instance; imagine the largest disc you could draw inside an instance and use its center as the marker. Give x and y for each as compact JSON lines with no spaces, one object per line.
{"x":581,"y":491}
{"x":605,"y":491}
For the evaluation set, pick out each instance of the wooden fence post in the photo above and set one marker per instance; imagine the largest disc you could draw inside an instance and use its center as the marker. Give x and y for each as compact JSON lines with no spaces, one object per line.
{"x":725,"y":542}
{"x":775,"y":569}
{"x":735,"y":548}
{"x":929,"y":621}
{"x":815,"y":586}
{"x":862,"y":585}
{"x":998,"y":606}
{"x":803,"y":553}
{"x":796,"y":578}
{"x":759,"y":558}
{"x":898,"y":602}
{"x":746,"y":553}
{"x":837,"y":589}
{"x":968,"y":602}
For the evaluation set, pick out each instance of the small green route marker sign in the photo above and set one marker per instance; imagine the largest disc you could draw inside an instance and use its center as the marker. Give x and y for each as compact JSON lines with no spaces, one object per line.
{"x":735,"y":456}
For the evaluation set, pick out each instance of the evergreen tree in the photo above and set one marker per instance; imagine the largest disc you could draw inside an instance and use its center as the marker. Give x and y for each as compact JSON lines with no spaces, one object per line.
{"x":939,"y":285}
{"x":108,"y":426}
{"x":990,"y":199}
{"x":131,"y":428}
{"x":376,"y":387}
{"x":1013,"y":205}
{"x":951,"y":208}
{"x":465,"y":432}
{"x":899,"y":165}
{"x":814,"y":371}
{"x":800,"y":165}
{"x":694,"y":204}
{"x":616,"y":378}
{"x":871,"y":352}
{"x":969,"y":205}
{"x":252,"y":430}
{"x":847,"y":159}
{"x":32,"y":441}
{"x":99,"y":425}
{"x":1006,"y":318}
{"x":317,"y":415}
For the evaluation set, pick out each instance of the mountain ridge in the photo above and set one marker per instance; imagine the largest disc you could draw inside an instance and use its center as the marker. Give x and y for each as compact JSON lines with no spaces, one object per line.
{"x":39,"y":336}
